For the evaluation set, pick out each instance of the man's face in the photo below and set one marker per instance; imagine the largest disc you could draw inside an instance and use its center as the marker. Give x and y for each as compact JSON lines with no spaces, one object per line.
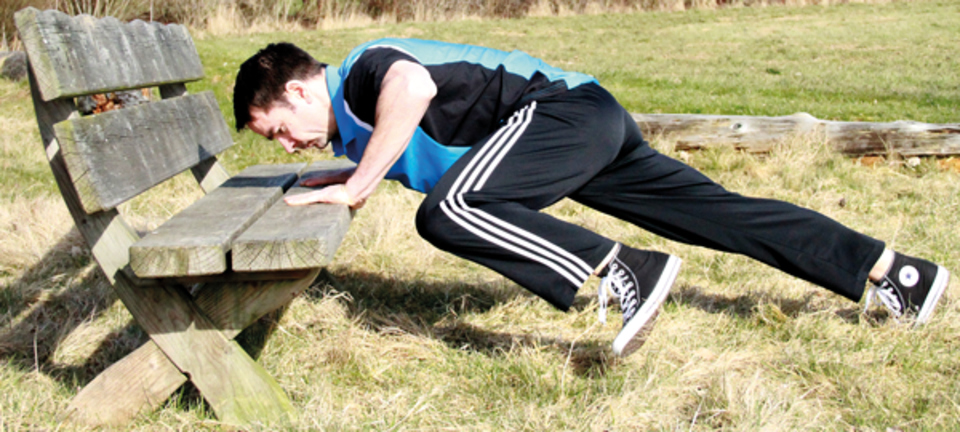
{"x":301,"y":123}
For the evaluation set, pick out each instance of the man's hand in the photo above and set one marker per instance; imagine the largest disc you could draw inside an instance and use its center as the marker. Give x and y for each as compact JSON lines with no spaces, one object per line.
{"x":336,"y":194}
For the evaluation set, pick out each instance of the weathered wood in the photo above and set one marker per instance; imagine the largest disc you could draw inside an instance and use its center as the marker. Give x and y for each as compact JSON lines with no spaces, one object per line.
{"x":293,"y":237}
{"x":186,"y":336}
{"x":236,"y":387}
{"x":903,"y":138}
{"x":233,"y":306}
{"x":141,"y":381}
{"x":761,"y":134}
{"x":755,"y":134}
{"x":144,"y":379}
{"x":196,"y":240}
{"x":72,"y":56}
{"x":233,"y":277}
{"x":115,"y":156}
{"x":209,"y":173}
{"x":109,"y":238}
{"x":106,"y":232}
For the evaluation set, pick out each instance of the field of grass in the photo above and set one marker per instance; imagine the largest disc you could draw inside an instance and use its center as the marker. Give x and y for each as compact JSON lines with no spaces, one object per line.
{"x":396,"y":335}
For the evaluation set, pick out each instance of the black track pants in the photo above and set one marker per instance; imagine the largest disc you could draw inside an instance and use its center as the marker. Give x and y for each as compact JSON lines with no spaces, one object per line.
{"x":583,"y":145}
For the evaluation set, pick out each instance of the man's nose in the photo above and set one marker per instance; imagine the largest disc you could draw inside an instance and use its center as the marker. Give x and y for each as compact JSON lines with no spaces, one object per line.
{"x":288,"y":144}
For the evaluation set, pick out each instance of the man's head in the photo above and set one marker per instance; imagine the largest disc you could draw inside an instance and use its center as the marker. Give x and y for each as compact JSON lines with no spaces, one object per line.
{"x":280,"y":93}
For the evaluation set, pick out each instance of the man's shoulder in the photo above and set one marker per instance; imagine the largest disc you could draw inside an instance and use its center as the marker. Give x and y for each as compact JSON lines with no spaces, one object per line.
{"x":377,"y":53}
{"x":428,"y":52}
{"x":399,"y":44}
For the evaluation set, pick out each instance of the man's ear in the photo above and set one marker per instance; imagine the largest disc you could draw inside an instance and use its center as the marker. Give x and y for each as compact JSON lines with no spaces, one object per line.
{"x":296,"y":89}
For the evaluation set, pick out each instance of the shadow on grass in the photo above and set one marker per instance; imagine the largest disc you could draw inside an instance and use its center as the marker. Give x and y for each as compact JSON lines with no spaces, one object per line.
{"x":430,"y":309}
{"x":42,"y":307}
{"x":47,"y":303}
{"x":749,"y":304}
{"x":66,"y":289}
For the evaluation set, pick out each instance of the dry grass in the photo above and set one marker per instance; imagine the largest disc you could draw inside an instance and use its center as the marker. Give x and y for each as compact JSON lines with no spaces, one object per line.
{"x":397,"y":335}
{"x":227,"y":17}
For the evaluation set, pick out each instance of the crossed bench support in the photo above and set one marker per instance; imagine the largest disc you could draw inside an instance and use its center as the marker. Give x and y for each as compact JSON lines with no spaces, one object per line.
{"x":250,"y":252}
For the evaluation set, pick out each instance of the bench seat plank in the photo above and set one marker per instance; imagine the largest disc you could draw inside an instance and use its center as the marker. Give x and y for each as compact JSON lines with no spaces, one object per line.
{"x":293,"y":237}
{"x":196,"y":241}
{"x":115,"y":156}
{"x":73,"y":56}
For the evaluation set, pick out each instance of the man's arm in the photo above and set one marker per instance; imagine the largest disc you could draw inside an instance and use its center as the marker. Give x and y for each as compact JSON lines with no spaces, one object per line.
{"x":405,"y":94}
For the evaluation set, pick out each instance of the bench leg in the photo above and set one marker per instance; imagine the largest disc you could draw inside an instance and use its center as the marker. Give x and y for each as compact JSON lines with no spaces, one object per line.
{"x":147,"y":377}
{"x":142,"y":380}
{"x":253,"y":339}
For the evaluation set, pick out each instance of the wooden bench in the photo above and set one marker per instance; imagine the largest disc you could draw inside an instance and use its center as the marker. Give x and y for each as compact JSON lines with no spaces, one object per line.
{"x":248,"y":251}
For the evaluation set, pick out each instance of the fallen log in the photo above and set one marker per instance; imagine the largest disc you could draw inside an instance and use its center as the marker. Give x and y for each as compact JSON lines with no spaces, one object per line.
{"x":760,"y":134}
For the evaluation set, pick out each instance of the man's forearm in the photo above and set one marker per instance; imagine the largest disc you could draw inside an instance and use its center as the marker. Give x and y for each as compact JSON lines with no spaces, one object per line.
{"x":405,"y":94}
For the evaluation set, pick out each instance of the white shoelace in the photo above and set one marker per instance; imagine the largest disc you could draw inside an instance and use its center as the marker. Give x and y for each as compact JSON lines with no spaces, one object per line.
{"x":614,"y":283}
{"x":604,"y":299}
{"x":884,"y":293}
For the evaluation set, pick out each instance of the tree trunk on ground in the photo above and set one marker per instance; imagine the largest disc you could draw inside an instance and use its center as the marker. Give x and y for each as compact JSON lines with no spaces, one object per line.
{"x":760,"y":134}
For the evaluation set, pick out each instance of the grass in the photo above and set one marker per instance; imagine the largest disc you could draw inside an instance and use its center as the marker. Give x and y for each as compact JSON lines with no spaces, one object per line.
{"x":253,"y":16}
{"x":857,"y":62}
{"x":396,"y":335}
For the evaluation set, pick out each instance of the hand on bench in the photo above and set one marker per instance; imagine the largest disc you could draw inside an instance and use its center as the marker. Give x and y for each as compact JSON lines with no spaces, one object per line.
{"x":336,"y":194}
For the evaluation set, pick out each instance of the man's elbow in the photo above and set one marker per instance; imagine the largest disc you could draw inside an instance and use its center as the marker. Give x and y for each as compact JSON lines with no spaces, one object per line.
{"x":410,"y":81}
{"x":422,"y":87}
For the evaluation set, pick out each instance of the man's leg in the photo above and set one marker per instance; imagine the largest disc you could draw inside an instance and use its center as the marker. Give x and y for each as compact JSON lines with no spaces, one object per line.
{"x":671,"y":199}
{"x":486,"y":208}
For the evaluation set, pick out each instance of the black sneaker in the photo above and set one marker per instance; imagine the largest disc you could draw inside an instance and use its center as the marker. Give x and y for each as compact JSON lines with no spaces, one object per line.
{"x":912,"y":287}
{"x":641,"y":280}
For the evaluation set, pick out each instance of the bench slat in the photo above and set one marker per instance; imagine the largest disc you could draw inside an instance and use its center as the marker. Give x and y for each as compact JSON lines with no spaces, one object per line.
{"x":73,"y":56}
{"x":293,"y":237}
{"x":115,"y":156}
{"x":208,"y":173}
{"x":196,"y":241}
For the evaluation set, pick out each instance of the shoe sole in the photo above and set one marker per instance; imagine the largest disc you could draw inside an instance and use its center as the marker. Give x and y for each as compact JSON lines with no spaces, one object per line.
{"x":933,"y":296}
{"x":640,"y":339}
{"x":649,"y":308}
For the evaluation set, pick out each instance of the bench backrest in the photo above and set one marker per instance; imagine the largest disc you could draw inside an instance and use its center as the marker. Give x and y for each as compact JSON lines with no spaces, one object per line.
{"x":114,"y":156}
{"x":102,"y":160}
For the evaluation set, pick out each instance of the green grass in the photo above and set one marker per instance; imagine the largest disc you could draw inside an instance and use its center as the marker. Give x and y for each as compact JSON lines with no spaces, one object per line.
{"x":399,"y":336}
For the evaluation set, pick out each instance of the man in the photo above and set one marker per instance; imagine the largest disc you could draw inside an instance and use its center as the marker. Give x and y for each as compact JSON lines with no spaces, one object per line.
{"x":493,"y":137}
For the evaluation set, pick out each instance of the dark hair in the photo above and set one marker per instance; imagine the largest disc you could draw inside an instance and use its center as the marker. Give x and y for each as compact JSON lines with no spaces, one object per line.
{"x":261,"y":79}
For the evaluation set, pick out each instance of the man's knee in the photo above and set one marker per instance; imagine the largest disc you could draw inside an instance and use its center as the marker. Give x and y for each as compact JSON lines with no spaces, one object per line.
{"x":432,"y":223}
